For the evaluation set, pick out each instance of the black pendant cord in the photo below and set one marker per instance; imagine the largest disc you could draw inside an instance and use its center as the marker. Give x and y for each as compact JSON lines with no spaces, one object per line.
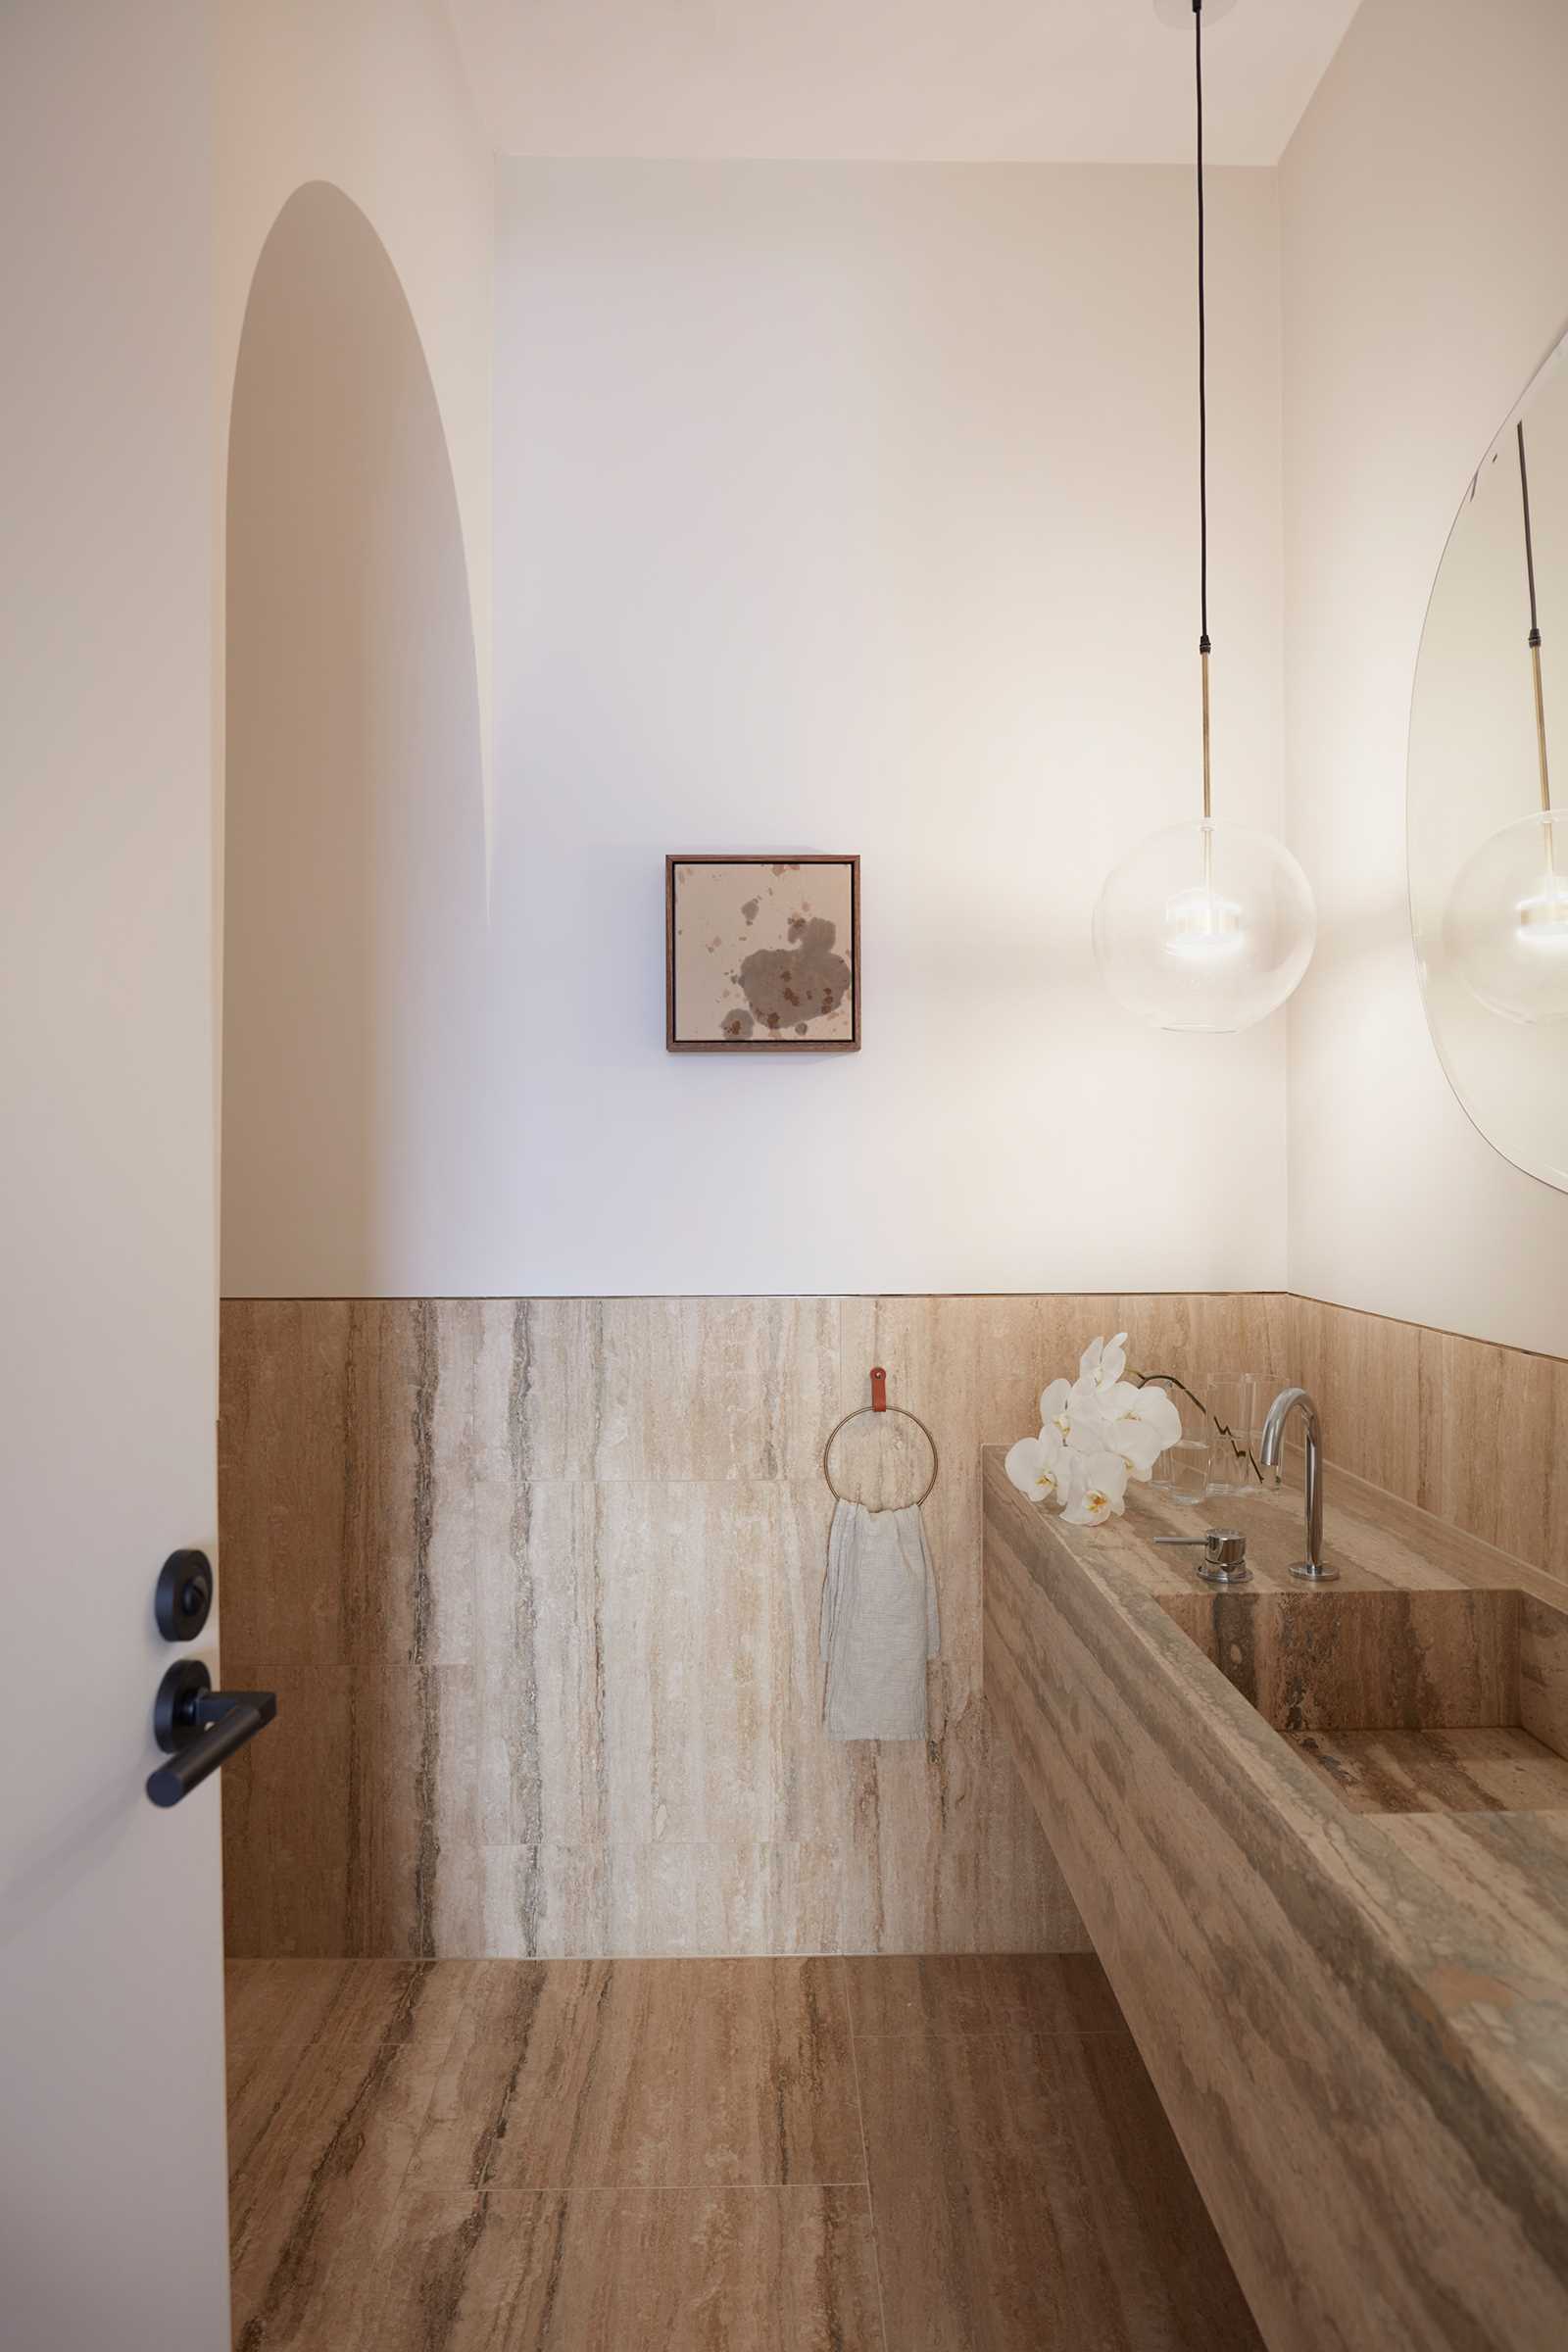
{"x":1530,"y":543}
{"x":1534,"y":628}
{"x":1203,"y":346}
{"x":1203,"y":646}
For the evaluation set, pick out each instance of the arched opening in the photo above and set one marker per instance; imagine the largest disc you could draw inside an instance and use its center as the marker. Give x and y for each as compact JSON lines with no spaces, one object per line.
{"x":354,"y":894}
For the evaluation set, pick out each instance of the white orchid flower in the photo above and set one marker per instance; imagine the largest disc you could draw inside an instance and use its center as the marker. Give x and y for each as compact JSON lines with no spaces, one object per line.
{"x":1056,"y":1406}
{"x":1085,"y":1418}
{"x":1104,"y":1361}
{"x":1134,"y":1442}
{"x":1100,"y":1490}
{"x":1099,"y":1418}
{"x":1072,"y":1480}
{"x":1138,"y":1423}
{"x":1155,"y":1406}
{"x":1037,"y":1466}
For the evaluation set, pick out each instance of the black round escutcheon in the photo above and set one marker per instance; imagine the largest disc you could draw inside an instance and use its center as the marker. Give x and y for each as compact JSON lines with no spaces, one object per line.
{"x":175,"y":1724}
{"x":184,"y":1599}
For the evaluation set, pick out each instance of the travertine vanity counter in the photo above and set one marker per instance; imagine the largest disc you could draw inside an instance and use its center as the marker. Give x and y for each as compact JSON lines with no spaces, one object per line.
{"x":1293,"y":1822}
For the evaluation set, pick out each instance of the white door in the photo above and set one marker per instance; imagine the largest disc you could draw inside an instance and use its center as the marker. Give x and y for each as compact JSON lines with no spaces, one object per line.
{"x":111,"y":2149}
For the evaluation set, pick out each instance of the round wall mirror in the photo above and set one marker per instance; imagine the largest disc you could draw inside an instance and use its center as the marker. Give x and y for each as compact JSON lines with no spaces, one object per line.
{"x":1488,"y":793}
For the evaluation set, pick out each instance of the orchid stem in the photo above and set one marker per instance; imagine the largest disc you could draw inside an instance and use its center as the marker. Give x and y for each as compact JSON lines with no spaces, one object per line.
{"x":1237,"y":1452}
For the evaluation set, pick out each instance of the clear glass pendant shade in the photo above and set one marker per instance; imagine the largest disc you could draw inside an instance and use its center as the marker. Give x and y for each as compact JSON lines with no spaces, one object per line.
{"x":1205,"y":926}
{"x":1505,"y":925}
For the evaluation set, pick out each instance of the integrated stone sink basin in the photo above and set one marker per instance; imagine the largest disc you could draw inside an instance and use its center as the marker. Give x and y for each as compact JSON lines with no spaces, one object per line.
{"x":1319,"y":1837}
{"x":1444,"y":1701}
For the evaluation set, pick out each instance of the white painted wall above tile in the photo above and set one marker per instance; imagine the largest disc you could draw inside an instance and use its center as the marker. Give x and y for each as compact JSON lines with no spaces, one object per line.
{"x":853,"y":508}
{"x":856,"y":507}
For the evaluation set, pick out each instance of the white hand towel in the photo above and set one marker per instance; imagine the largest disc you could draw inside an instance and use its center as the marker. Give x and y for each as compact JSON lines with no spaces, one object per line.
{"x":879,"y":1624}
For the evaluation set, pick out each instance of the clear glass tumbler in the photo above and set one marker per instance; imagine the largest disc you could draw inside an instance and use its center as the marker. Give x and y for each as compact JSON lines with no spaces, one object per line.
{"x":1182,"y":1470}
{"x":1230,"y":1398}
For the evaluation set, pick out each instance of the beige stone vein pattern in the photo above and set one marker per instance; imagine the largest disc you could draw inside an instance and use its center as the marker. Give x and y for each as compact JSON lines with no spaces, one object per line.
{"x":776,"y":2269}
{"x":1028,"y":2191}
{"x":1476,"y":1434}
{"x":537,"y":1580}
{"x":601,"y":1390}
{"x":1282,"y":1942}
{"x":706,"y":2156}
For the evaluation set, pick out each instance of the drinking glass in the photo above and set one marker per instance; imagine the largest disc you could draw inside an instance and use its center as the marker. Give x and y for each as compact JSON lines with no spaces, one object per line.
{"x":1182,"y":1470}
{"x":1230,"y":1398}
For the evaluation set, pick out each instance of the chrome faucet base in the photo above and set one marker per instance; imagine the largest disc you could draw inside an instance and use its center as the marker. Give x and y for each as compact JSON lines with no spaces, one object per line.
{"x":1314,"y":1572}
{"x":1224,"y":1560}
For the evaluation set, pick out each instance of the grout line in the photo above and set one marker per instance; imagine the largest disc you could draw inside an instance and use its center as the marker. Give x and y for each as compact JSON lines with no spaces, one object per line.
{"x":1005,"y":2029}
{"x":865,"y":2157}
{"x":705,"y":1959}
{"x":670,"y":2188}
{"x":700,"y":1298}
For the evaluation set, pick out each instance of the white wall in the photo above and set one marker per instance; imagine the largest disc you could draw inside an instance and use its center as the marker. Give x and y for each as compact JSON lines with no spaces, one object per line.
{"x":846,"y":507}
{"x":354,"y":950}
{"x":372,"y":96}
{"x":1425,"y":223}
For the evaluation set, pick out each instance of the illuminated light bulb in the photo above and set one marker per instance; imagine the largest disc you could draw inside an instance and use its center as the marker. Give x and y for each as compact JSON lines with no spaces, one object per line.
{"x":1544,"y":917}
{"x":1205,"y":926}
{"x":1505,"y":927}
{"x":1200,"y":923}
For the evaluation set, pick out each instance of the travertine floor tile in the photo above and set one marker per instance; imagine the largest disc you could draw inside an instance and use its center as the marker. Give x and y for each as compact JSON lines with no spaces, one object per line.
{"x":277,"y":2012}
{"x":510,"y":2034}
{"x":322,"y":2165}
{"x":1027,"y":2191}
{"x":770,"y":2269}
{"x":1047,"y":1992}
{"x":586,"y":2156}
{"x":689,"y":2074}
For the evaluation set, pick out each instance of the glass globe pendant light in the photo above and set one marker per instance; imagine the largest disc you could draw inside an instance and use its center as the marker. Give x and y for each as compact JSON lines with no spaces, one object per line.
{"x":1205,"y":926}
{"x":1505,"y":925}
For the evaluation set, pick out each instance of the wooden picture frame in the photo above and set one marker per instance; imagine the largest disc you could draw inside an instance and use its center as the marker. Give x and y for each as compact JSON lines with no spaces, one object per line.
{"x":759,"y":1004}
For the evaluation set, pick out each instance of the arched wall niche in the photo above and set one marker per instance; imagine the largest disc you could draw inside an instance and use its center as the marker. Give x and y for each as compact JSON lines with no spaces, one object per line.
{"x":354,"y":915}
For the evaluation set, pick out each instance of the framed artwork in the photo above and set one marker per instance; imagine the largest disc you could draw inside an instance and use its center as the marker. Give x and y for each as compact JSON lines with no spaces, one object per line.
{"x":762,"y":955}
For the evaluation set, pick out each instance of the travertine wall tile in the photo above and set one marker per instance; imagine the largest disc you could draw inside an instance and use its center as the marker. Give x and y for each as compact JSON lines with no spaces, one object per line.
{"x":1474,"y":1432}
{"x":1365,"y":1375}
{"x":1271,"y":1341}
{"x":287,"y":1444}
{"x":540,"y":1666}
{"x":608,"y":1388}
{"x":537,"y":1582}
{"x":292,"y":1855}
{"x":1487,"y":1420}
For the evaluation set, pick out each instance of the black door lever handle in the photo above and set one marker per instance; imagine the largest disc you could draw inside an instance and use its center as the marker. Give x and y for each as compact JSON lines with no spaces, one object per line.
{"x":200,"y":1727}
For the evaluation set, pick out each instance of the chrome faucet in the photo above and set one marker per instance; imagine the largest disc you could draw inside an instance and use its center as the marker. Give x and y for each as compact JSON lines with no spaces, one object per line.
{"x":1313,"y":1568}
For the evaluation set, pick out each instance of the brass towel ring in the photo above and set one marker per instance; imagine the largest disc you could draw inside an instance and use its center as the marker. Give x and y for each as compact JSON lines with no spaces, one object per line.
{"x":904,"y":1414}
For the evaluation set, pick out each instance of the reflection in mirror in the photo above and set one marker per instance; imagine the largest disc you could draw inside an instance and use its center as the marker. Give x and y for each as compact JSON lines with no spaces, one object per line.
{"x":1488,"y":849}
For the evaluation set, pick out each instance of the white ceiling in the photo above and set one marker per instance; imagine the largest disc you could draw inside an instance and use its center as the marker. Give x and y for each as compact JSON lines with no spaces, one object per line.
{"x":985,"y":80}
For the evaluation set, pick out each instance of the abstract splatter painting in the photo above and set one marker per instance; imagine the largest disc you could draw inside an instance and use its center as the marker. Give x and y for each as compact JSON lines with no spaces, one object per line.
{"x":762,"y":955}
